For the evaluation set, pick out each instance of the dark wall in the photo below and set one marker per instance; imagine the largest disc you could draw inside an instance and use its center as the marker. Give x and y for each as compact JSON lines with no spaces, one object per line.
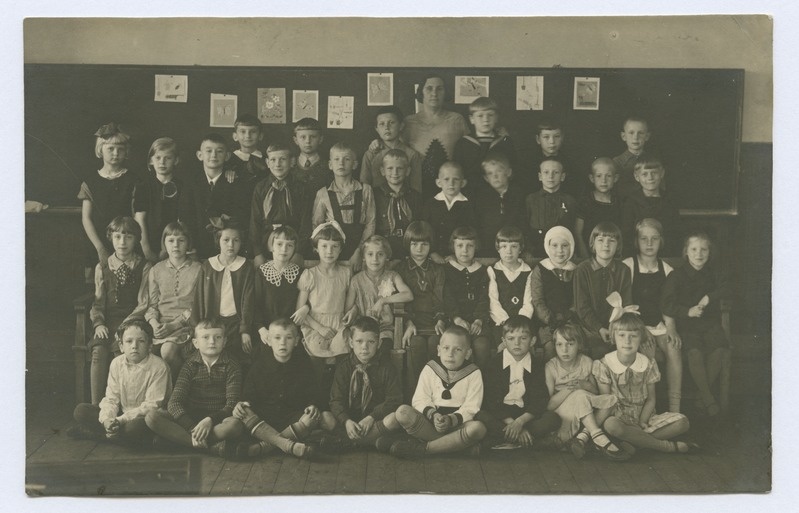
{"x":694,"y":115}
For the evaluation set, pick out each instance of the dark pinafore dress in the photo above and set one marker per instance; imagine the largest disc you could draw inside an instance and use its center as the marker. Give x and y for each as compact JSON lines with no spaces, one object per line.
{"x":352,"y":231}
{"x":647,"y":288}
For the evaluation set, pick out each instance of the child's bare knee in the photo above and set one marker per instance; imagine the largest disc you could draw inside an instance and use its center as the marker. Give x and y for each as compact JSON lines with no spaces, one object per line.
{"x":475,"y":430}
{"x":613,"y":426}
{"x":405,"y":414}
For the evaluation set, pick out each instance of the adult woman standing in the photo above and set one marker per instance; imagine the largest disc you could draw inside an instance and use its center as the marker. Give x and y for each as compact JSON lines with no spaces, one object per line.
{"x":433,"y":131}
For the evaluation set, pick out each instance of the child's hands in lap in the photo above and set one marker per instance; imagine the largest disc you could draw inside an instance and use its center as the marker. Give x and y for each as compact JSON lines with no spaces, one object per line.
{"x":312,"y":412}
{"x":327,"y":332}
{"x":111,"y":427}
{"x":513,"y":430}
{"x":238,"y":410}
{"x":442,"y":423}
{"x":366,"y":424}
{"x":200,"y":433}
{"x":101,"y":332}
{"x":354,"y":430}
{"x":525,"y":439}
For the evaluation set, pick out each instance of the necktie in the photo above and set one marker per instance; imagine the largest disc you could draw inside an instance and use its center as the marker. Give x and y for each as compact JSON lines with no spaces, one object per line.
{"x":211,"y":186}
{"x":307,"y":163}
{"x":359,"y":383}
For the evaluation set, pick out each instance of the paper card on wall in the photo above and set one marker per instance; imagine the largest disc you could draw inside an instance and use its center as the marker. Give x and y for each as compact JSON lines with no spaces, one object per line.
{"x":304,"y":104}
{"x":171,"y":88}
{"x":586,"y":93}
{"x":530,"y":93}
{"x":469,"y":88}
{"x":380,"y":89}
{"x":224,"y":109}
{"x":339,"y":111}
{"x":272,"y":105}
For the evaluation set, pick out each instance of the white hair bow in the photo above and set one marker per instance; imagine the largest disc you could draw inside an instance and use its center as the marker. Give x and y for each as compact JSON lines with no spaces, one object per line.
{"x":332,"y":223}
{"x":614,"y":300}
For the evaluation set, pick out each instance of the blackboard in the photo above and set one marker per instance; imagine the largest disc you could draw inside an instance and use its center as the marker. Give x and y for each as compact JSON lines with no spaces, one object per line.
{"x":694,"y":115}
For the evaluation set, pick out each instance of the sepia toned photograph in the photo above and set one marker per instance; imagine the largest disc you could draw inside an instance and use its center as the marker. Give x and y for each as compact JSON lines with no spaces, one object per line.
{"x":424,"y":286}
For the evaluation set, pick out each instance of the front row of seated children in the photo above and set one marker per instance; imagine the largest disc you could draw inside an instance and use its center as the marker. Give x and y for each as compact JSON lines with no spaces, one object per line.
{"x":513,"y":402}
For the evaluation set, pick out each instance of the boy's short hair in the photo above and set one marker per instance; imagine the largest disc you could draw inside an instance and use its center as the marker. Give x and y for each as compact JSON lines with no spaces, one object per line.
{"x":123,"y":224}
{"x":214,"y":138}
{"x":134,"y":323}
{"x":344,"y":146}
{"x":366,"y":324}
{"x":247,"y":120}
{"x":285,"y":231}
{"x":648,"y":162}
{"x":607,"y":161}
{"x":307,"y":124}
{"x":458,"y":331}
{"x":279,"y":145}
{"x":420,"y":87}
{"x":464,"y":233}
{"x":552,"y":158}
{"x":377,"y":239}
{"x":548,"y":124}
{"x":629,"y":322}
{"x":517,"y":322}
{"x":634,"y":118}
{"x":175,"y":228}
{"x":649,"y":222}
{"x":495,"y":157}
{"x":452,"y":164}
{"x":509,"y":234}
{"x":607,"y":229}
{"x":110,"y":133}
{"x":391,"y":109}
{"x":397,"y":154}
{"x":701,"y":235}
{"x":483,"y":103}
{"x":162,"y":144}
{"x":418,"y":231}
{"x":572,"y":333}
{"x":226,"y":224}
{"x":209,"y":323}
{"x":285,"y":323}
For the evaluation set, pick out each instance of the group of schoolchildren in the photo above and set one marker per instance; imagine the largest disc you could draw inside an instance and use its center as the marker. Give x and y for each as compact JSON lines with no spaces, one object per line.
{"x":229,"y":345}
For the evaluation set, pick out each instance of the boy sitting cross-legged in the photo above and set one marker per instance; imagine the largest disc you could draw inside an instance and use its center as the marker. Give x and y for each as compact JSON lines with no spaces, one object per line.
{"x":366,"y":391}
{"x":448,"y":395}
{"x":207,"y":389}
{"x":280,"y":397}
{"x":516,"y":396}
{"x":137,"y":383}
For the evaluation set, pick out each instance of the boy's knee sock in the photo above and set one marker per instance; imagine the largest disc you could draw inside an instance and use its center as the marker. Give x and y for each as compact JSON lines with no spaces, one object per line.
{"x":268,"y":434}
{"x":452,"y":442}
{"x":415,"y":425}
{"x":299,"y":430}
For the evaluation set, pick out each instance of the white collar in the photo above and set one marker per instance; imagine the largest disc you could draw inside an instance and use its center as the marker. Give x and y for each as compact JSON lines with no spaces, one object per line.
{"x":500,"y":266}
{"x":186,"y":262}
{"x":508,"y":360}
{"x":549,"y":266}
{"x":140,"y":364}
{"x":441,"y":197}
{"x":639,"y":365}
{"x":233,"y":267}
{"x":211,"y":180}
{"x":472,"y":268}
{"x":114,"y":262}
{"x":207,"y":363}
{"x":313,"y":158}
{"x":246,"y":156}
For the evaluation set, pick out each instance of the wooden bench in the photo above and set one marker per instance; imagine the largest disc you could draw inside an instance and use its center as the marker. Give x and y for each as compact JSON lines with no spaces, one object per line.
{"x":84,"y":332}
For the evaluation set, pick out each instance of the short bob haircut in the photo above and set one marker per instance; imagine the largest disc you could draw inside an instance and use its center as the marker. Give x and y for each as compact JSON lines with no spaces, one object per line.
{"x":366,"y":324}
{"x":123,"y":224}
{"x":701,"y":235}
{"x":509,"y":234}
{"x":377,"y":239}
{"x":649,"y":222}
{"x":227,"y":224}
{"x":517,"y":322}
{"x":464,"y":233}
{"x":162,"y":144}
{"x":134,"y":323}
{"x":572,"y":333}
{"x":418,"y":231}
{"x":116,"y":137}
{"x":175,"y":228}
{"x":327,"y":233}
{"x":285,"y":231}
{"x":423,"y":82}
{"x":607,"y":229}
{"x":629,"y":322}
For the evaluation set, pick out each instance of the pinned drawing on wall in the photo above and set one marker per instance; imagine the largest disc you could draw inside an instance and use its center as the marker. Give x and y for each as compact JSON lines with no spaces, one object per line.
{"x":380,"y":87}
{"x":171,"y":88}
{"x":530,"y":93}
{"x":272,"y":105}
{"x":224,"y":109}
{"x":469,"y":88}
{"x":304,"y":104}
{"x":586,"y":93}
{"x":340,"y":111}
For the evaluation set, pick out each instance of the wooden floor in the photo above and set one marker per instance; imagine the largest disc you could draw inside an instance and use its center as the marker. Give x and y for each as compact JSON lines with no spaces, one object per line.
{"x":736,"y":455}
